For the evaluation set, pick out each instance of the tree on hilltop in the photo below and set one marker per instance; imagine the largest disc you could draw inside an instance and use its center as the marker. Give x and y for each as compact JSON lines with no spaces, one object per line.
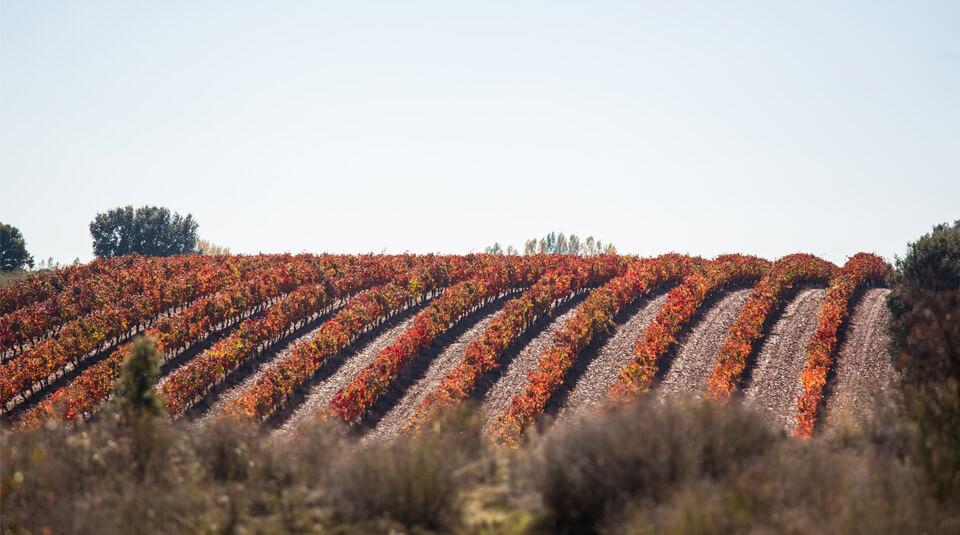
{"x":151,"y":231}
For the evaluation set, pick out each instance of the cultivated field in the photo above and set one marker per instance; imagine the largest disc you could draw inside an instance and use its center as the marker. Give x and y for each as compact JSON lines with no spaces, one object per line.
{"x":384,"y":343}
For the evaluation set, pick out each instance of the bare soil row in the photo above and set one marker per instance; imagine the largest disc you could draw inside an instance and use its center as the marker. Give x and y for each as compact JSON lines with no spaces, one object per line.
{"x":771,"y":385}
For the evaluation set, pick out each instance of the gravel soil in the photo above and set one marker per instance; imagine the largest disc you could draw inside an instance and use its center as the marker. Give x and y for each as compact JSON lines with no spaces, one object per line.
{"x":450,"y":354}
{"x":594,"y":372}
{"x":864,"y":370}
{"x":775,"y":381}
{"x":338,"y":373}
{"x":496,"y":392}
{"x":246,"y":376}
{"x":698,"y":349}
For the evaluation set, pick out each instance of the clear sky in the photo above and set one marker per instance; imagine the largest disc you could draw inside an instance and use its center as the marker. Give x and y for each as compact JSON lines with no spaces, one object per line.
{"x":702,"y":127}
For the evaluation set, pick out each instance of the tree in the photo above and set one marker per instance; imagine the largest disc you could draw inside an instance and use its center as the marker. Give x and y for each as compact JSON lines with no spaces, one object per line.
{"x":138,"y":406}
{"x":494,"y":249}
{"x":135,"y":394}
{"x":148,"y":231}
{"x":924,"y":303}
{"x":554,"y":243}
{"x":924,"y":342}
{"x":205,"y":247}
{"x":13,"y":249}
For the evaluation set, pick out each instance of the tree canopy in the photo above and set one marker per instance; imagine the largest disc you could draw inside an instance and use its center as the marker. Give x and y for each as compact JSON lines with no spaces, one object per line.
{"x":150,"y":230}
{"x":933,"y":261}
{"x":13,"y":249}
{"x":924,"y":302}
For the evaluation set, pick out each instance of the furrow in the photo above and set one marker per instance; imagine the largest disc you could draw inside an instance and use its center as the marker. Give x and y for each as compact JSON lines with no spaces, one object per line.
{"x":513,"y":376}
{"x":450,"y":353}
{"x":589,"y":389}
{"x":864,"y":371}
{"x":775,"y":381}
{"x":697,"y":350}
{"x":338,"y":372}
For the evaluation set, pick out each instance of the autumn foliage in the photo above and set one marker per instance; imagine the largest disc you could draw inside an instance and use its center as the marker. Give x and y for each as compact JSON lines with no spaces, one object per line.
{"x":108,"y":324}
{"x":42,"y":285}
{"x":114,"y":281}
{"x":862,"y":269}
{"x":517,"y":315}
{"x":264,"y":279}
{"x":274,"y":385}
{"x":593,"y":317}
{"x":185,"y":386}
{"x":767,"y":297}
{"x":440,"y":315}
{"x":83,"y":315}
{"x":682,"y":303}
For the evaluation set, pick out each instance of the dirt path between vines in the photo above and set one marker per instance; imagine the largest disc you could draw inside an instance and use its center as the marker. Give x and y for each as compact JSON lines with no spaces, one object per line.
{"x":496,"y":391}
{"x":775,"y":381}
{"x":240,"y":382}
{"x":864,"y":370}
{"x":452,"y":353}
{"x":329,"y":382}
{"x":600,"y":367}
{"x":697,"y":350}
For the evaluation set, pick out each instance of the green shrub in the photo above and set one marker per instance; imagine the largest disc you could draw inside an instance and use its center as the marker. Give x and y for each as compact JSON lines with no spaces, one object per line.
{"x":924,"y":307}
{"x":924,"y":330}
{"x":134,"y":393}
{"x":933,"y":261}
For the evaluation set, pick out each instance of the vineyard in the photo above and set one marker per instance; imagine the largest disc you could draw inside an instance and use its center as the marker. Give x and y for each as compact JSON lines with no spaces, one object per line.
{"x":386,"y":343}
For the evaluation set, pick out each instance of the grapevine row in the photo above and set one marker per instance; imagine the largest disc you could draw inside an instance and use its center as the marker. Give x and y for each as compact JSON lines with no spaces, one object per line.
{"x":89,"y":333}
{"x":593,"y":317}
{"x":37,"y":287}
{"x":188,"y":384}
{"x":682,"y":303}
{"x":483,"y":354}
{"x":766,"y":298}
{"x":32,"y":322}
{"x":274,"y":385}
{"x":176,"y":333}
{"x":442,"y":313}
{"x":860,"y":270}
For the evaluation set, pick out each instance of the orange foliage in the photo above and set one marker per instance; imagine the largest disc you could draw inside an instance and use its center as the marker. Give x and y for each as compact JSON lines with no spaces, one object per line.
{"x":861,"y":269}
{"x":766,"y":298}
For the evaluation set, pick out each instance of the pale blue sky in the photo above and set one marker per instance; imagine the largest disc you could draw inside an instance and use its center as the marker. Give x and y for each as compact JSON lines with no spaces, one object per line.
{"x":701,"y":127}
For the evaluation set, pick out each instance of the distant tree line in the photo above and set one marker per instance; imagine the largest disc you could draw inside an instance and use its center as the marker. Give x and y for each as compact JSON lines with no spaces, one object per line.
{"x":554,"y":243}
